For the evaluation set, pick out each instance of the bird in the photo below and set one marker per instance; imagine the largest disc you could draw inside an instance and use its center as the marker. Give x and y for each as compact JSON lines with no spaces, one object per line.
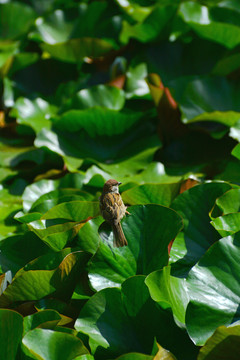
{"x":113,"y":210}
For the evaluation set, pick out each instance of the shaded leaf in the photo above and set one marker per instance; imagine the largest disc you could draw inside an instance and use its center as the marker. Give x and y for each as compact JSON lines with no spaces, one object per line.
{"x":11,"y":328}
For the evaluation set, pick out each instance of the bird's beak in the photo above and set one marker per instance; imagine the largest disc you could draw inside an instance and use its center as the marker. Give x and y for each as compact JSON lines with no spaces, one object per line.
{"x":119,"y":183}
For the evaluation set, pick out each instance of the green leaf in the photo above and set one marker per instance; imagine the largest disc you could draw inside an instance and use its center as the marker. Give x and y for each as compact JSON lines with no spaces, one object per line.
{"x":202,"y":21}
{"x":36,"y":113}
{"x":11,"y":329}
{"x":52,"y":345}
{"x":105,"y":96}
{"x":172,"y":290}
{"x":55,"y":197}
{"x":227,"y":224}
{"x":44,"y":319}
{"x":88,"y":238}
{"x":236,"y":151}
{"x":194,"y":206}
{"x":12,"y":25}
{"x":53,"y":29}
{"x":123,"y":169}
{"x":148,"y":234}
{"x":73,"y":210}
{"x":7,"y":51}
{"x":36,"y":284}
{"x":10,"y":204}
{"x":34,"y":191}
{"x":18,"y":250}
{"x":208,"y":99}
{"x":56,"y":234}
{"x":151,"y":26}
{"x":98,"y":121}
{"x":75,"y":50}
{"x":162,"y":194}
{"x":80,"y":145}
{"x":135,"y":356}
{"x":229,"y":202}
{"x":213,"y":290}
{"x":136,"y":84}
{"x":224,"y":344}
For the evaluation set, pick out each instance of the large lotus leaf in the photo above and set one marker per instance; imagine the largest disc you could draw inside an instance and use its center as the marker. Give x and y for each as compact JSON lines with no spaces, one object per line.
{"x":227,"y":224}
{"x":128,"y":321}
{"x":223,"y":344}
{"x":14,"y":153}
{"x":206,"y":25}
{"x":98,"y":121}
{"x":18,"y":250}
{"x":88,"y":238}
{"x":194,"y":206}
{"x":105,"y":96}
{"x":36,"y":113}
{"x":53,"y":29}
{"x":208,"y":99}
{"x":213,"y":285}
{"x":80,"y":145}
{"x":12,"y":25}
{"x":162,"y":194}
{"x":151,"y":27}
{"x":155,"y":173}
{"x":55,"y":197}
{"x":11,"y":329}
{"x":73,"y":210}
{"x":9,"y":205}
{"x":75,"y":50}
{"x":53,"y":345}
{"x":33,"y":192}
{"x":148,"y":234}
{"x":121,"y":169}
{"x":169,"y":289}
{"x":56,"y":234}
{"x":36,"y":284}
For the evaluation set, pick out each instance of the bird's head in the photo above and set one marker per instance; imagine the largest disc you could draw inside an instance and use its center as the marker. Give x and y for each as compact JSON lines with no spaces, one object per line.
{"x":111,"y":186}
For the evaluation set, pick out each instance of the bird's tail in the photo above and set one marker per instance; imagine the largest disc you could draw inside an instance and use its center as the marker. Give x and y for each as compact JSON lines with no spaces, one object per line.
{"x":119,"y":237}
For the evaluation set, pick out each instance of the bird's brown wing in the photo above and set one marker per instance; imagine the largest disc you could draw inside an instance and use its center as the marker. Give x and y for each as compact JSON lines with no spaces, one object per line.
{"x":111,"y":205}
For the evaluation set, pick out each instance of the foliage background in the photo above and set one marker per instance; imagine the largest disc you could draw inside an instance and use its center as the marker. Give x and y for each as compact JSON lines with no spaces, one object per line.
{"x":146,"y":92}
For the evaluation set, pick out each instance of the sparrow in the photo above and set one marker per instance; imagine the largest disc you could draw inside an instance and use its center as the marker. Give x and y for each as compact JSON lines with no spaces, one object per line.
{"x":113,"y":210}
